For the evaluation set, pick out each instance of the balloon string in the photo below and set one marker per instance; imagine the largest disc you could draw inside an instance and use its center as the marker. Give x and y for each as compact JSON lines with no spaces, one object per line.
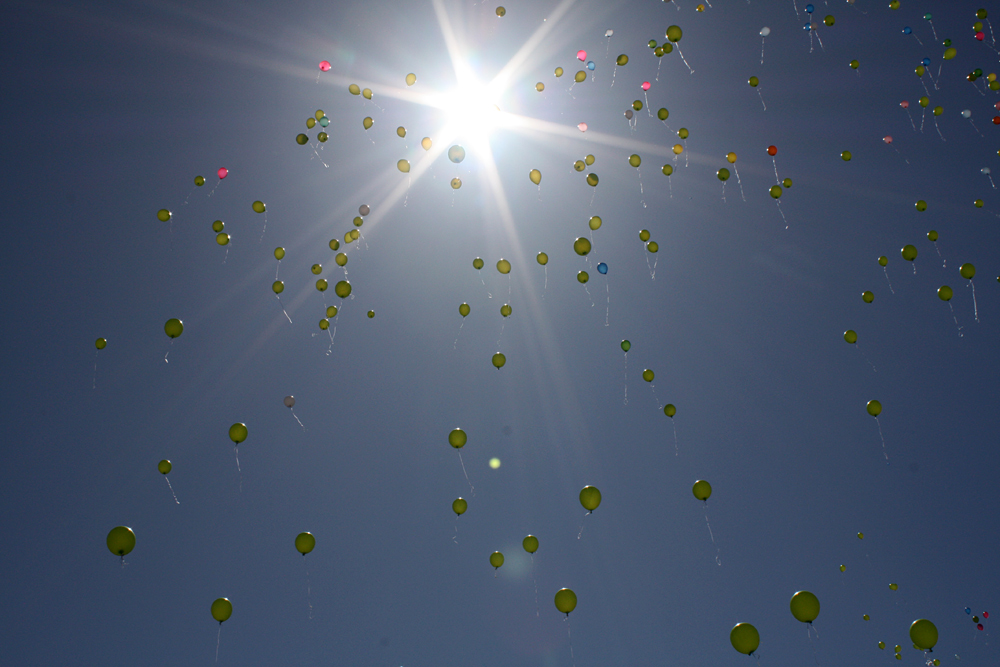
{"x":97,"y":352}
{"x":283,"y":308}
{"x":165,"y":360}
{"x":264,"y":229}
{"x":569,"y":635}
{"x":626,"y":379}
{"x":762,"y":50}
{"x":546,"y":270}
{"x":308,"y":589}
{"x":887,"y":279}
{"x":455,"y":345}
{"x":237,"y":451}
{"x":782,"y":213}
{"x":761,"y":96}
{"x":535,"y":583}
{"x":585,"y":289}
{"x":866,"y":358}
{"x":276,"y":271}
{"x":954,"y":317}
{"x":578,"y":535}
{"x":683,"y":59}
{"x":660,"y":62}
{"x":607,"y":309}
{"x":652,"y":387}
{"x":472,"y":489}
{"x":739,"y":182}
{"x":171,"y":487}
{"x":218,"y":638}
{"x":884,"y":451}
{"x":975,"y":306}
{"x":938,"y":128}
{"x":297,"y":417}
{"x":677,"y":449}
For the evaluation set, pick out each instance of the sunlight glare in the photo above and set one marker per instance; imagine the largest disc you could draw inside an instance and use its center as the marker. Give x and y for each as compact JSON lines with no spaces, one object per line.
{"x":472,"y":111}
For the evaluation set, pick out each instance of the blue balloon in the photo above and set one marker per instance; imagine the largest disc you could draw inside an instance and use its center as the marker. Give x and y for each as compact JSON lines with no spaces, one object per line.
{"x":907,"y":30}
{"x":591,"y":65}
{"x":602,"y":268}
{"x":806,"y":26}
{"x":809,"y":9}
{"x":324,"y":121}
{"x":968,"y":611}
{"x":926,"y":62}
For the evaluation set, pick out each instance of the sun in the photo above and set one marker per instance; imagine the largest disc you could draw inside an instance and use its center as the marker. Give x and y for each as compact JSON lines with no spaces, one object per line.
{"x":471,"y":112}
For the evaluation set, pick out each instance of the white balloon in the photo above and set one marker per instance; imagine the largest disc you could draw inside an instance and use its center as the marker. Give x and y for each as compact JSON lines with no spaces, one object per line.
{"x":985,"y":171}
{"x":364,"y":209}
{"x":609,"y":33}
{"x":765,"y":31}
{"x":289,"y":401}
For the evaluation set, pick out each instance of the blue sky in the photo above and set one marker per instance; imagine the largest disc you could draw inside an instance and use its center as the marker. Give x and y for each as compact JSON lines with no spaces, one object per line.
{"x":112,"y":110}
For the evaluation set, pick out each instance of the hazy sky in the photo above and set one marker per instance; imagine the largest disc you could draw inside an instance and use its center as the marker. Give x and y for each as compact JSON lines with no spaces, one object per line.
{"x":111,"y":109}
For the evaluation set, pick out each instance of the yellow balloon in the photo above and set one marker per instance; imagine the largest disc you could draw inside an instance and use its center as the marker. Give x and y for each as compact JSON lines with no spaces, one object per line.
{"x":530,"y":544}
{"x":304,"y":543}
{"x":506,"y":310}
{"x":164,"y":467}
{"x":496,"y":560}
{"x":499,"y":360}
{"x":425,"y":143}
{"x":238,"y":432}
{"x":581,"y":246}
{"x":457,"y":438}
{"x":731,"y":157}
{"x":702,"y":490}
{"x":542,"y":258}
{"x":535,"y":176}
{"x":102,"y":343}
{"x":590,"y":498}
{"x":222,"y":609}
{"x":565,"y":600}
{"x":804,"y":606}
{"x":744,"y":638}
{"x":595,"y":222}
{"x":401,"y":131}
{"x":342,"y":289}
{"x":411,"y":79}
{"x":121,"y":540}
{"x":464,"y":309}
{"x":403,"y":166}
{"x":340,"y":259}
{"x":459,"y":505}
{"x":503,"y":266}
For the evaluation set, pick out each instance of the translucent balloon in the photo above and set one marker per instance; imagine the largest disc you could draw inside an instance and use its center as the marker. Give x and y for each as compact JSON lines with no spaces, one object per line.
{"x":909,"y":252}
{"x":851,"y":336}
{"x":258,"y":206}
{"x":581,"y":246}
{"x":503,"y":266}
{"x":602,"y":268}
{"x":674,"y":33}
{"x":648,"y":375}
{"x":456,"y":183}
{"x":411,"y":79}
{"x":643,"y":235}
{"x":595,"y":222}
{"x":499,"y":360}
{"x":403,"y":166}
{"x":457,"y":438}
{"x":765,"y":31}
{"x":542,"y":258}
{"x":164,"y":467}
{"x":500,"y":14}
{"x":722,"y":174}
{"x":477,"y":263}
{"x":582,"y":277}
{"x":846,"y":156}
{"x":580,"y":76}
{"x":456,"y":154}
{"x":626,"y":346}
{"x":634,"y":160}
{"x":621,"y":60}
{"x":322,"y":284}
{"x":304,"y":543}
{"x":464,"y":309}
{"x":670,"y":410}
{"x":582,"y":127}
{"x":199,"y":181}
{"x":967,"y":270}
{"x":592,"y":180}
{"x":324,"y":65}
{"x":581,"y":55}
{"x":425,"y":143}
{"x":354,"y":89}
{"x":101,"y":343}
{"x":163,"y":215}
{"x":506,"y":310}
{"x":868,"y":296}
{"x":289,"y":401}
{"x":945,"y":293}
{"x":590,"y":498}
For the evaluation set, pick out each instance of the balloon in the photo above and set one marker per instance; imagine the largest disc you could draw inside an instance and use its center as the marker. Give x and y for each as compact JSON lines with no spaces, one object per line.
{"x":643,"y":235}
{"x":223,"y":172}
{"x":278,"y":287}
{"x":590,"y":65}
{"x":342,"y":289}
{"x":411,"y":79}
{"x":505,"y":310}
{"x":301,"y":139}
{"x":459,"y":505}
{"x":923,"y":634}
{"x":456,"y":154}
{"x":674,"y":33}
{"x":565,"y":600}
{"x":500,"y":13}
{"x":403,"y":166}
{"x":582,"y":277}
{"x":854,"y":64}
{"x":164,"y":467}
{"x":804,"y":606}
{"x":542,"y":258}
{"x":909,"y":252}
{"x":628,"y":114}
{"x":950,"y":53}
{"x":967,"y":114}
{"x":222,"y":609}
{"x":499,"y":360}
{"x":637,"y":106}
{"x":324,"y":324}
{"x":843,"y":568}
{"x":101,"y":343}
{"x":645,"y":85}
{"x":354,"y":89}
{"x":904,"y":104}
{"x":590,"y":498}
{"x":464,"y":309}
{"x":581,"y":55}
{"x":503,"y":266}
{"x":652,"y":246}
{"x":324,"y":65}
{"x":595,"y":222}
{"x":702,"y":490}
{"x":316,"y":269}
{"x":867,"y":296}
{"x":648,"y":375}
{"x":218,"y":226}
{"x":945,"y":293}
{"x":559,"y":71}
{"x":367,"y":122}
{"x":304,"y":543}
{"x":535,"y":176}
{"x":331,"y":311}
{"x":626,"y":346}
{"x":861,"y":536}
{"x":846,"y":156}
{"x":425,"y":143}
{"x":580,"y":76}
{"x":874,"y":409}
{"x":967,"y":271}
{"x":530,"y":544}
{"x":731,"y":158}
{"x":589,"y":159}
{"x":340,"y":258}
{"x":881,"y":645}
{"x":289,"y":401}
{"x":602,"y":268}
{"x":457,"y":438}
{"x":456,"y":183}
{"x":669,"y":410}
{"x":174,"y":327}
{"x":753,"y":81}
{"x":582,"y":127}
{"x":258,"y":207}
{"x":744,"y":638}
{"x":581,"y":246}
{"x":851,"y":336}
{"x":829,"y":20}
{"x":322,"y":284}
{"x":121,"y":540}
{"x":477,"y":263}
{"x":667,"y":169}
{"x":238,"y":432}
{"x":199,"y":181}
{"x":765,"y":31}
{"x":722,"y":174}
{"x":496,"y":560}
{"x":621,"y":60}
{"x":634,"y":160}
{"x":579,"y":165}
{"x":663,"y":113}
{"x":787,"y":182}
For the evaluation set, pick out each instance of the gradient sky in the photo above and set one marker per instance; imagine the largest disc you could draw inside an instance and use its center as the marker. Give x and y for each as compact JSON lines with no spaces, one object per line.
{"x":111,"y":109}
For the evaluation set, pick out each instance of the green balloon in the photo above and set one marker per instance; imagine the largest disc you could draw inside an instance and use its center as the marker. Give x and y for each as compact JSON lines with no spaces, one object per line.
{"x":457,"y":438}
{"x":909,"y":252}
{"x":101,"y":343}
{"x":775,"y":191}
{"x":667,"y":169}
{"x":459,"y":505}
{"x":652,"y":246}
{"x":331,"y":311}
{"x":279,"y":253}
{"x":787,"y":182}
{"x":595,"y":222}
{"x":278,"y":286}
{"x":238,"y":432}
{"x":164,"y":467}
{"x":945,"y":293}
{"x":582,"y":277}
{"x":163,"y":215}
{"x":477,"y":263}
{"x":643,"y":235}
{"x":258,"y":207}
{"x":304,"y":543}
{"x":581,"y":246}
{"x":967,"y":270}
{"x":542,"y":258}
{"x":950,"y":53}
{"x":222,"y":609}
{"x":499,"y":360}
{"x":302,"y":139}
{"x":932,"y":235}
{"x":867,"y":296}
{"x":674,"y":33}
{"x":874,"y":408}
{"x":496,"y":560}
{"x":530,"y":544}
{"x":634,"y":160}
{"x":580,"y":76}
{"x":846,"y":156}
{"x":702,"y":490}
{"x":322,"y":284}
{"x":804,"y":606}
{"x":222,"y":238}
{"x":829,"y":20}
{"x":662,"y":114}
{"x":753,"y":81}
{"x":851,"y":336}
{"x":174,"y":327}
{"x":506,"y":310}
{"x":342,"y":289}
{"x":637,"y":105}
{"x":503,"y":266}
{"x":744,"y":638}
{"x":218,"y":226}
{"x":854,"y":64}
{"x":883,"y":261}
{"x":920,"y":205}
{"x":565,"y":600}
{"x":199,"y":181}
{"x":590,"y":498}
{"x":626,"y":346}
{"x":622,"y":60}
{"x":648,"y":375}
{"x":723,"y":174}
{"x":670,"y":410}
{"x":592,"y":180}
{"x":121,"y":540}
{"x":924,"y":634}
{"x":464,"y":309}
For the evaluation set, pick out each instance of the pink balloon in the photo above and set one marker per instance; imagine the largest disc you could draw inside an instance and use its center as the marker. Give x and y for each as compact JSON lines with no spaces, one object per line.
{"x":887,"y":139}
{"x":581,"y":55}
{"x":324,"y":65}
{"x":223,"y":172}
{"x":904,"y":104}
{"x":645,"y":85}
{"x":997,"y":105}
{"x":582,"y":127}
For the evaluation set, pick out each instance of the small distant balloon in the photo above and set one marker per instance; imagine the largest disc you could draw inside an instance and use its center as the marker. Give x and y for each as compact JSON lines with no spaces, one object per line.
{"x":765,"y":31}
{"x":223,"y":172}
{"x":456,"y":154}
{"x":582,"y":127}
{"x":581,"y":55}
{"x":645,"y":85}
{"x":602,"y":268}
{"x":289,"y":401}
{"x":324,"y":65}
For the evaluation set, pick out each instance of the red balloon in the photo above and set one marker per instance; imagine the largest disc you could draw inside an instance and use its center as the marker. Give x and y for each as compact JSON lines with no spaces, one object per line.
{"x":324,"y":65}
{"x":979,"y":625}
{"x":904,"y":104}
{"x":997,"y":106}
{"x":887,"y":139}
{"x":223,"y":172}
{"x":996,"y":120}
{"x":980,"y":36}
{"x":986,"y":614}
{"x":772,"y":150}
